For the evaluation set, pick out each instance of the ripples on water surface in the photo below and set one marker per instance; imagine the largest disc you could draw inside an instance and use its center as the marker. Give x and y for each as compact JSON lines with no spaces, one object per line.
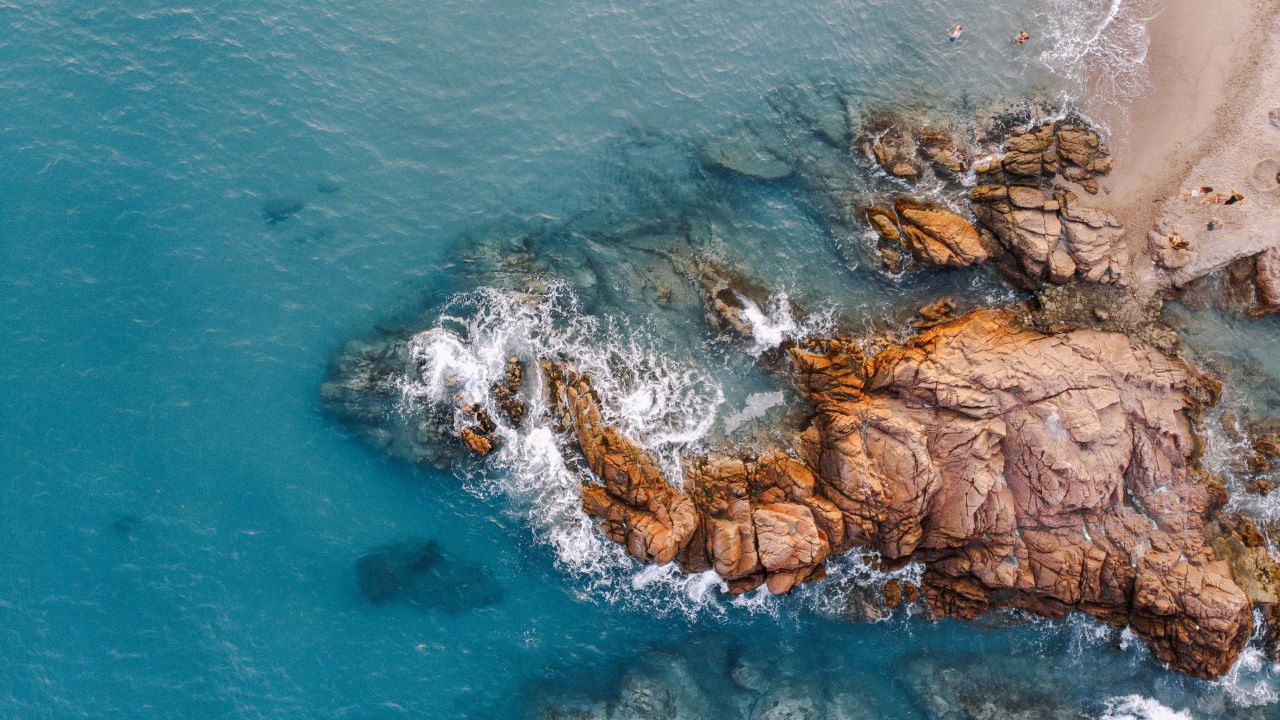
{"x":199,"y":206}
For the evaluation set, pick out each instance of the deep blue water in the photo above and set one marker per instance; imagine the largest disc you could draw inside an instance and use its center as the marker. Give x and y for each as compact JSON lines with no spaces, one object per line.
{"x":183,"y":518}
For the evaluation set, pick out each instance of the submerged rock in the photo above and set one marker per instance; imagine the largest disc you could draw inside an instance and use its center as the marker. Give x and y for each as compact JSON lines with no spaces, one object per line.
{"x":745,"y":153}
{"x":279,"y":209}
{"x":422,"y":574}
{"x":1016,"y":691}
{"x":1045,"y":472}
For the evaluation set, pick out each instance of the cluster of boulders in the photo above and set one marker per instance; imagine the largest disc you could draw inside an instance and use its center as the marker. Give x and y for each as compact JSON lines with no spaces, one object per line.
{"x":1052,"y":473}
{"x":478,"y":432}
{"x":1040,"y":234}
{"x":928,"y":234}
{"x":1066,"y":148}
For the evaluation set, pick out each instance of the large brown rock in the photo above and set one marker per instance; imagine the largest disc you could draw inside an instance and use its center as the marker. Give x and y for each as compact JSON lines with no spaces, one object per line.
{"x":1053,"y":238}
{"x":1267,"y":277}
{"x":1021,"y":223}
{"x":635,"y":505}
{"x":1096,"y":243}
{"x":893,"y":149}
{"x":1052,"y":473}
{"x":1253,"y":282}
{"x":942,"y":149}
{"x":1029,"y":154}
{"x":933,"y":236}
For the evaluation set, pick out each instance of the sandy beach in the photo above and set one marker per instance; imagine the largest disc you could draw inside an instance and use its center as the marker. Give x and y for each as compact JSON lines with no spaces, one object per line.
{"x":1206,"y":122}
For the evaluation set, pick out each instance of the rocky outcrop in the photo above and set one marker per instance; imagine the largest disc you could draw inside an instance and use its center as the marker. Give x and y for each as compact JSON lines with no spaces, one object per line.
{"x":1053,"y":238}
{"x":942,"y":149}
{"x":1239,"y":542}
{"x":1041,"y":235}
{"x":894,"y":151}
{"x":506,"y":393}
{"x":1062,"y":148}
{"x":1253,"y":282}
{"x":1052,"y":473}
{"x":634,"y":504}
{"x":932,"y":236}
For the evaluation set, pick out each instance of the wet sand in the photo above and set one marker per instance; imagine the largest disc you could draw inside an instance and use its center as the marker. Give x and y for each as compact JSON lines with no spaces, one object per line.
{"x":1214,"y":71}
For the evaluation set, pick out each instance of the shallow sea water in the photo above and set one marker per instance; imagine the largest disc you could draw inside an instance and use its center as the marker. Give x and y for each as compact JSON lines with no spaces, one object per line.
{"x":200,"y":206}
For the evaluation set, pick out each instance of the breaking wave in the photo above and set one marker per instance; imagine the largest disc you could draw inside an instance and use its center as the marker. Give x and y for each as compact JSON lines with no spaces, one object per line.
{"x":1137,"y":707}
{"x":664,"y":403}
{"x":1100,"y":47}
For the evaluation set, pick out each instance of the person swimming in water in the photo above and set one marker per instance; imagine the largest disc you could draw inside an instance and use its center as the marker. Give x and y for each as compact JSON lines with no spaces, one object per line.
{"x":1022,"y":37}
{"x":955,"y":32}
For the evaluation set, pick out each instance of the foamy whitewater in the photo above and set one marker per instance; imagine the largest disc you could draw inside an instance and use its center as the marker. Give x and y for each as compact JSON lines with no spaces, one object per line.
{"x":200,"y":208}
{"x":665,"y":404}
{"x":1101,"y":47}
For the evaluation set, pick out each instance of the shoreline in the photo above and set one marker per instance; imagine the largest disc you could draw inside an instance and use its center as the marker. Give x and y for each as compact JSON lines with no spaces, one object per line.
{"x":1204,"y":122}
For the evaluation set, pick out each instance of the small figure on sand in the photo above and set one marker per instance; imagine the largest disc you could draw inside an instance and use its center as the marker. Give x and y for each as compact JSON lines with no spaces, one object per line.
{"x":1201,"y":191}
{"x":1235,"y":197}
{"x":1022,"y":37}
{"x":1176,"y":241}
{"x":1213,"y":224}
{"x":955,"y":32}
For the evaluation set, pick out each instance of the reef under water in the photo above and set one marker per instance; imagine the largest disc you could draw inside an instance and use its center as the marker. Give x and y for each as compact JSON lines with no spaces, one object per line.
{"x":294,"y":295}
{"x":596,"y":374}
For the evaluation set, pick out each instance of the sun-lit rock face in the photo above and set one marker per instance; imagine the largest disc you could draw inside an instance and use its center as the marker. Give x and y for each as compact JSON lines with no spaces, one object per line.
{"x":1046,"y":472}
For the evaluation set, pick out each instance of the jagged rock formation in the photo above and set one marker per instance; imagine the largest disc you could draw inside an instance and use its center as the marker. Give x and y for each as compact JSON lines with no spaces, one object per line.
{"x":933,"y":236}
{"x":1253,"y":282}
{"x":1043,"y":234}
{"x":1053,"y":238}
{"x":1046,"y":472}
{"x":1061,"y":148}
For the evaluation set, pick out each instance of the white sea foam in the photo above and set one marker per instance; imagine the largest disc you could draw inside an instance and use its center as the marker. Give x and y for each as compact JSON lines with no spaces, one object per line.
{"x":853,"y":579}
{"x":1100,"y":46}
{"x":1254,"y":679}
{"x":1137,"y":707}
{"x":777,"y":322}
{"x":756,"y":405}
{"x":662,"y":403}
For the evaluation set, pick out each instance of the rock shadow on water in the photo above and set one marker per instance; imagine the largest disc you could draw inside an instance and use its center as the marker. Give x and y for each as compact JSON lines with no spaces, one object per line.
{"x":278,"y":209}
{"x":125,"y":525}
{"x":422,"y":574}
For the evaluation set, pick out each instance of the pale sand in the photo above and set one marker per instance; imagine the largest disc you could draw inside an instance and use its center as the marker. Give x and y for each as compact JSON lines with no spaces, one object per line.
{"x":1215,"y":70}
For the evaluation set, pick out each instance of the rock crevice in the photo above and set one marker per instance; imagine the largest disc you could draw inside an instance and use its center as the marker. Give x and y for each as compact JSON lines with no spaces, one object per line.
{"x":1051,"y":473}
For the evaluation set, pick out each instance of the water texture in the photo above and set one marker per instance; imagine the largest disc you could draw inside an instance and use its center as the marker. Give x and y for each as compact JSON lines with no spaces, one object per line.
{"x":200,"y":206}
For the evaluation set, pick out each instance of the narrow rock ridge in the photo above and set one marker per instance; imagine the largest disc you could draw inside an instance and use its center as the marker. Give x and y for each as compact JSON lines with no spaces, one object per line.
{"x":1051,"y":473}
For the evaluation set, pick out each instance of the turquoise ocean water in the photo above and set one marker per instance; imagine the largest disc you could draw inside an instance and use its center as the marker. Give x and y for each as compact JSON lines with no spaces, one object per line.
{"x":199,"y":206}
